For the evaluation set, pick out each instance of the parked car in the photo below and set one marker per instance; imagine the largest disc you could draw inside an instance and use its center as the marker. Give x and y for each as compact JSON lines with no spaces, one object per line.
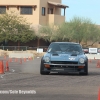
{"x":65,"y":57}
{"x":86,"y":50}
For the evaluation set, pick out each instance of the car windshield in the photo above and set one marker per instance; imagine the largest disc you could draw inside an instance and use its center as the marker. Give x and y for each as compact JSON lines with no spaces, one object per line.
{"x":65,"y":47}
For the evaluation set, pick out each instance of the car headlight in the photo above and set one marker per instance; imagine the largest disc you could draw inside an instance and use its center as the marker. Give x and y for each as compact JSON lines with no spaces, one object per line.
{"x":81,"y":60}
{"x":47,"y":59}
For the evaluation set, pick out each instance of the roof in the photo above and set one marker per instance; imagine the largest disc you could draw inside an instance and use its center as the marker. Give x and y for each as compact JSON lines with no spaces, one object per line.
{"x":58,"y":4}
{"x":10,"y":5}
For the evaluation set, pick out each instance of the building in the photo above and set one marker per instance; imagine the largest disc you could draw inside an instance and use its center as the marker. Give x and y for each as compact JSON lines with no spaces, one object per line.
{"x":37,"y":12}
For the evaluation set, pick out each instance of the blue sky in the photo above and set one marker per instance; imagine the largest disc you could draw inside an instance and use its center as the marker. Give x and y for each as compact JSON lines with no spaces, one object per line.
{"x":83,"y":8}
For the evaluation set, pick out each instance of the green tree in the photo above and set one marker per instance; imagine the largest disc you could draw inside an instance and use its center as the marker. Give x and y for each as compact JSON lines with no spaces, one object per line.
{"x":92,"y":35}
{"x":48,"y":33}
{"x":65,"y":32}
{"x":15,"y":28}
{"x":81,"y":30}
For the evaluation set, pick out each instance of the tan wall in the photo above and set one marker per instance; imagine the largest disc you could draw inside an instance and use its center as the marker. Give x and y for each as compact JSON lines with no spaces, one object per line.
{"x":18,"y":2}
{"x":44,"y":19}
{"x":50,"y":18}
{"x":57,"y":10}
{"x":57,"y":19}
{"x":30,"y":18}
{"x":37,"y":17}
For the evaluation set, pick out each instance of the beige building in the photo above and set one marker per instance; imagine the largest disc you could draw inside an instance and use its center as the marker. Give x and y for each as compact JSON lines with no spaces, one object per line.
{"x":37,"y":12}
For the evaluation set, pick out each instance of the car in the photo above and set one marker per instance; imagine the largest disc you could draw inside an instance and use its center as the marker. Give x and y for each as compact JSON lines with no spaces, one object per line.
{"x":67,"y":57}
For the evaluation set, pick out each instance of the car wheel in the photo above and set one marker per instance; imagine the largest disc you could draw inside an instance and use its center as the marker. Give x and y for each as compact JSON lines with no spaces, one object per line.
{"x":85,"y":70}
{"x":85,"y":73}
{"x":42,"y":72}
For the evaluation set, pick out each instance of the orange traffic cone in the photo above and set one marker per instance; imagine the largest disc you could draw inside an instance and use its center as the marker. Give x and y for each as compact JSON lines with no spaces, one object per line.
{"x":1,"y":67}
{"x":99,"y":95}
{"x":5,"y":57}
{"x":98,"y":64}
{"x":31,"y":58}
{"x":10,"y":59}
{"x":16,"y":60}
{"x":90,"y":61}
{"x":20,"y":61}
{"x":7,"y":66}
{"x":24,"y":59}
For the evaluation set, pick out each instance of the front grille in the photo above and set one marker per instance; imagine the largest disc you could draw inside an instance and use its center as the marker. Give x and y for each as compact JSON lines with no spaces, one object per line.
{"x":55,"y":55}
{"x":64,"y":62}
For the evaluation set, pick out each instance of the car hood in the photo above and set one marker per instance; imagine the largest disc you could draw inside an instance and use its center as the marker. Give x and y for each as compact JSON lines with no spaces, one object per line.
{"x":65,"y":56}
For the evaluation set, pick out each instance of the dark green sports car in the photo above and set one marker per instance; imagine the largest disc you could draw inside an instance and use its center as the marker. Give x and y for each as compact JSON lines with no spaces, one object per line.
{"x":67,"y":57}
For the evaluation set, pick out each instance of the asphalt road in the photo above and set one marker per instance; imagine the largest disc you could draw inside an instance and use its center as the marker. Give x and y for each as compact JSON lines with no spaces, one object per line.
{"x":26,"y":77}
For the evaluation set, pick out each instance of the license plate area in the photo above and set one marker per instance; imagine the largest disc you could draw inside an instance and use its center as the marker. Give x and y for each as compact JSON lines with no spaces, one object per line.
{"x":59,"y":69}
{"x":59,"y":66}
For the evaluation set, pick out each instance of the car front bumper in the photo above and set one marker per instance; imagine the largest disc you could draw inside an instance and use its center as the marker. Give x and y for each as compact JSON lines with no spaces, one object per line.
{"x":69,"y":68}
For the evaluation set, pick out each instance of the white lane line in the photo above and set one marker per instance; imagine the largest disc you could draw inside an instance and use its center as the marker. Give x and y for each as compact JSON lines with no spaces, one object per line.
{"x":8,"y":73}
{"x":13,"y":70}
{"x":4,"y":75}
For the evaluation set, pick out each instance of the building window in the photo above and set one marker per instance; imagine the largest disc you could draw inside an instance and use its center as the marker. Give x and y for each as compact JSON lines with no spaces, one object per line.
{"x":43,"y":11}
{"x":2,"y":9}
{"x":50,"y":10}
{"x":26,"y":10}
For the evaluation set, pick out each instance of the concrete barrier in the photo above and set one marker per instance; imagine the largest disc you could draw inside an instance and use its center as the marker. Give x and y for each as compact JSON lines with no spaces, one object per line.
{"x":20,"y":55}
{"x":26,"y":54}
{"x":93,"y":56}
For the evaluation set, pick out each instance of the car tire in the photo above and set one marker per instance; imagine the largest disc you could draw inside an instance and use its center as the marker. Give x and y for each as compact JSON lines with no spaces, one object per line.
{"x":86,"y":70}
{"x":42,"y":72}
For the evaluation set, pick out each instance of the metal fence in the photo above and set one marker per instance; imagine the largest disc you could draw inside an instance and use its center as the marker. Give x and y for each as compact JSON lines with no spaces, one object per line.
{"x":23,"y":48}
{"x":40,"y":47}
{"x":14,"y":48}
